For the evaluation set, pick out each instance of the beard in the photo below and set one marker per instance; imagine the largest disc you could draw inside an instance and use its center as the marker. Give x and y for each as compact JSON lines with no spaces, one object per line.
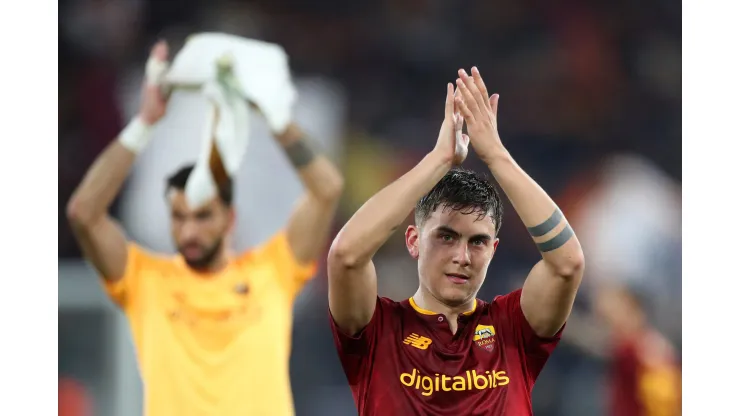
{"x":205,"y":260}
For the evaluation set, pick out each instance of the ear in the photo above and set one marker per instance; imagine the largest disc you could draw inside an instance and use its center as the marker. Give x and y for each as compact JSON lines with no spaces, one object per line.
{"x":412,"y":241}
{"x":495,"y":246}
{"x":231,"y":213}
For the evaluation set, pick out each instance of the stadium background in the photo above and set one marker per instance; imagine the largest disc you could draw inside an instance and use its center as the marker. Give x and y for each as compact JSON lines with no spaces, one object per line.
{"x":591,"y":101}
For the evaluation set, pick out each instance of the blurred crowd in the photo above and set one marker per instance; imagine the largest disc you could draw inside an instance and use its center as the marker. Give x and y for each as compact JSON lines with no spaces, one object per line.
{"x":590,"y":107}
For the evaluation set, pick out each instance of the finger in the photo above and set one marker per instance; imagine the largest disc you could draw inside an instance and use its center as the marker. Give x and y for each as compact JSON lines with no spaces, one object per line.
{"x":493,"y":101}
{"x":470,"y":83}
{"x":156,"y":65}
{"x":470,"y":93}
{"x":450,"y":101}
{"x":160,"y":51}
{"x":457,"y":95}
{"x":480,"y":84}
{"x":466,"y":113}
{"x":466,"y":97}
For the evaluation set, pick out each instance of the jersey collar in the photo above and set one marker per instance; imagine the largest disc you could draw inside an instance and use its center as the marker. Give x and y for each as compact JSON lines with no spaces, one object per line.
{"x":423,"y":311}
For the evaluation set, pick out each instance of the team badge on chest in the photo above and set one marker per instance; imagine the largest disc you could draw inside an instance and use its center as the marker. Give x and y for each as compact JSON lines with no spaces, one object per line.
{"x":483,"y":337}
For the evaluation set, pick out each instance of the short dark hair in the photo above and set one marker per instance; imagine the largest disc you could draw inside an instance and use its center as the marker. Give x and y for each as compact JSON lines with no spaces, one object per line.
{"x":465,"y":191}
{"x":178,"y":180}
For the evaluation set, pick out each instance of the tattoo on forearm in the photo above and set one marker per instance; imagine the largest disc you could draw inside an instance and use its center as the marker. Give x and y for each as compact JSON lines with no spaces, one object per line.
{"x":300,"y":153}
{"x":557,"y":241}
{"x":548,"y":225}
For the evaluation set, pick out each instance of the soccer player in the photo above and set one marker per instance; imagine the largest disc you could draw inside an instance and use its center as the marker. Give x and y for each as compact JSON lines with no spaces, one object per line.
{"x":442,"y":351}
{"x":211,"y":328}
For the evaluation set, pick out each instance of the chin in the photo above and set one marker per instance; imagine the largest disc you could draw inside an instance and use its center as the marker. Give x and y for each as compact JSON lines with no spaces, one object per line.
{"x":455,"y":294}
{"x":198,"y":263}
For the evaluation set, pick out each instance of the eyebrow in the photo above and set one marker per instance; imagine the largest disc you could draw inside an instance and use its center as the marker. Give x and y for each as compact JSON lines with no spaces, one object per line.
{"x":448,"y":230}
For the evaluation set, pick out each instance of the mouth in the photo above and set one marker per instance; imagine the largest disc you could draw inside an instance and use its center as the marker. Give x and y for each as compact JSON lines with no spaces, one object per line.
{"x":191,"y":251}
{"x":457,"y":278}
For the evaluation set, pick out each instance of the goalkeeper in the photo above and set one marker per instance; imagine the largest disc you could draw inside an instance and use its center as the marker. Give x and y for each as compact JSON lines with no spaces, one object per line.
{"x":211,"y":328}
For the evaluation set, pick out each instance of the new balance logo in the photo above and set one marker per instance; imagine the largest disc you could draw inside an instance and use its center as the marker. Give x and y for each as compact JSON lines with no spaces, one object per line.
{"x":418,"y":341}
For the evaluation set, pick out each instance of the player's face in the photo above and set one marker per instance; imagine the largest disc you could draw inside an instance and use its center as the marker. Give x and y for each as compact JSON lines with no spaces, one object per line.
{"x":453,"y":252}
{"x":199,"y":233}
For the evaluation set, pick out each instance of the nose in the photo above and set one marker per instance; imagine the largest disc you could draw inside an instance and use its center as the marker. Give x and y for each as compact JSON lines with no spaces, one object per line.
{"x":189,"y":230}
{"x":462,"y":256}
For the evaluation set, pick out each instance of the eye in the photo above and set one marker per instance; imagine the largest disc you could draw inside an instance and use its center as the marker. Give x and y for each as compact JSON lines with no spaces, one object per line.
{"x":203,"y":215}
{"x":479,"y":242}
{"x":445,"y":237}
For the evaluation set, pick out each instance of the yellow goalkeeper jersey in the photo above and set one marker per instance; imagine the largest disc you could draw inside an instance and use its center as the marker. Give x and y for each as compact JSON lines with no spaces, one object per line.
{"x":213,"y":344}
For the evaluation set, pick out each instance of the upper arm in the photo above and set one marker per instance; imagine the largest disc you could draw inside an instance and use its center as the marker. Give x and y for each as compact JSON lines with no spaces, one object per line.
{"x":357,"y":351}
{"x":353,"y":291}
{"x":547,"y":298}
{"x":308,"y":227}
{"x":117,"y":261}
{"x":104,"y":244}
{"x":291,"y":271}
{"x":536,"y":349}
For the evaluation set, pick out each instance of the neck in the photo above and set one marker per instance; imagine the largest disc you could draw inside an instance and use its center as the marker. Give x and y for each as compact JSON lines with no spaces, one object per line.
{"x":219,"y":263}
{"x":425,"y":300}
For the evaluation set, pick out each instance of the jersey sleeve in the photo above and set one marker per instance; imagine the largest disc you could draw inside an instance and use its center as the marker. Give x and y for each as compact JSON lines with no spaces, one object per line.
{"x":291,"y":273}
{"x":536,"y":349}
{"x":355,"y":351}
{"x":124,"y":290}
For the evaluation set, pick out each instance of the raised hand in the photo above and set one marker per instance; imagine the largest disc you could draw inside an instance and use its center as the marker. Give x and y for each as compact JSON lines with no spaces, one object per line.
{"x":153,"y":99}
{"x":452,"y":144}
{"x":479,"y":112}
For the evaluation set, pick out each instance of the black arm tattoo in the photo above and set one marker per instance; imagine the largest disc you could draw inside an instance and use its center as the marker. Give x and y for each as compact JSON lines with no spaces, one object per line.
{"x":300,"y":153}
{"x":556,"y":242}
{"x":547,"y":226}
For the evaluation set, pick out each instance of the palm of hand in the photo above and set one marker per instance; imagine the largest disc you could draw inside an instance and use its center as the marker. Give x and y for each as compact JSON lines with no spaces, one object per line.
{"x":461,"y":140}
{"x":451,"y":141}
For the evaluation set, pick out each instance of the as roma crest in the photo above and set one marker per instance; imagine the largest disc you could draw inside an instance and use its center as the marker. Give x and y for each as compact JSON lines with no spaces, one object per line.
{"x":483,"y":337}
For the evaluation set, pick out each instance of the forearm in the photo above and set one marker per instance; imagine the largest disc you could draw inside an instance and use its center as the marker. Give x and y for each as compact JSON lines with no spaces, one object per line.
{"x":376,"y":220}
{"x":539,"y":213}
{"x":319,"y":175}
{"x":101,"y":184}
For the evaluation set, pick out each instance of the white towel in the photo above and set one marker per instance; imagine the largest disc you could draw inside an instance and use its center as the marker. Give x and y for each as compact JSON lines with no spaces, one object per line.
{"x":260,"y":67}
{"x":229,"y":71}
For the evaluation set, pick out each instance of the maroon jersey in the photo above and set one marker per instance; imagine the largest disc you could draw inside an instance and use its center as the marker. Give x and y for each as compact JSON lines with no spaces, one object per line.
{"x":406,"y":361}
{"x":646,"y":381}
